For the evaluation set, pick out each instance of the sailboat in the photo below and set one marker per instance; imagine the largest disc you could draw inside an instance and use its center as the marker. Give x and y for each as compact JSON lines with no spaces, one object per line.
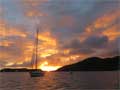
{"x":35,"y":72}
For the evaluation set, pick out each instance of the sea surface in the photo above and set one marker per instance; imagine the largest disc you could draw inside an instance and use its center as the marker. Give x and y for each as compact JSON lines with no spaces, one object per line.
{"x":107,"y":80}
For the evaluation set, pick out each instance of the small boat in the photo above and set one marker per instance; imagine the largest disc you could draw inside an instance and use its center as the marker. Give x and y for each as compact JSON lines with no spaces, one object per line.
{"x":35,"y":72}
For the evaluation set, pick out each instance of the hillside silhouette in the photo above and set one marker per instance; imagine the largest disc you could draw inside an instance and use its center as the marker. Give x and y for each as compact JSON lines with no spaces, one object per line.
{"x":94,"y":64}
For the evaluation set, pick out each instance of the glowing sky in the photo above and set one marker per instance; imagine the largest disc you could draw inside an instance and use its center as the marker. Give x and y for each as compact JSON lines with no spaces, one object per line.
{"x":69,"y":31}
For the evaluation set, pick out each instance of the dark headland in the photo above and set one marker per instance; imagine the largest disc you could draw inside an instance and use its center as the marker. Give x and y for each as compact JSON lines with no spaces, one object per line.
{"x":17,"y":70}
{"x":89,"y":64}
{"x":94,"y":64}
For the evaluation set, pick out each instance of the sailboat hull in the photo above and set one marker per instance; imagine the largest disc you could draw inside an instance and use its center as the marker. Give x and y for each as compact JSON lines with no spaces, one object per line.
{"x":36,"y":73}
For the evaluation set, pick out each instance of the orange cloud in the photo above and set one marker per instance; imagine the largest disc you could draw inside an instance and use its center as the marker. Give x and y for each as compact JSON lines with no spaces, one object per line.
{"x":50,"y":56}
{"x":5,"y":43}
{"x":34,"y":13}
{"x":105,"y":25}
{"x":32,"y":10}
{"x":112,"y":32}
{"x":10,"y":31}
{"x":48,"y":45}
{"x":106,"y":20}
{"x":48,"y":49}
{"x":28,"y":48}
{"x":16,"y":32}
{"x":34,"y":2}
{"x":4,"y":55}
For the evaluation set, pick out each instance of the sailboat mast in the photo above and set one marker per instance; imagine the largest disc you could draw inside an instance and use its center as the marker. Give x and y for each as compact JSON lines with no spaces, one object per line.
{"x":36,"y":61}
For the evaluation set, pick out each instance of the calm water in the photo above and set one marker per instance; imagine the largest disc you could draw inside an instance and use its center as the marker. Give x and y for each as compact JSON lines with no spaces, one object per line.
{"x":60,"y":81}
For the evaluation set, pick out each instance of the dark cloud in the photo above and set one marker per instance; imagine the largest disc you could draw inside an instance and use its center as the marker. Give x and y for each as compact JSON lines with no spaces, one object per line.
{"x":77,"y":47}
{"x":96,"y":41}
{"x":87,"y":46}
{"x":75,"y":44}
{"x":113,"y":48}
{"x":82,"y":51}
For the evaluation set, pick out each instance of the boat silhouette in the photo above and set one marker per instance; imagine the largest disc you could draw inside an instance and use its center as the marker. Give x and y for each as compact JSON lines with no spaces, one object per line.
{"x":35,"y":72}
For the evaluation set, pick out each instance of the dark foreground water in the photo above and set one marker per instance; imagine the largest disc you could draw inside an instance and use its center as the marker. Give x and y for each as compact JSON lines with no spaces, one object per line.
{"x":61,"y":81}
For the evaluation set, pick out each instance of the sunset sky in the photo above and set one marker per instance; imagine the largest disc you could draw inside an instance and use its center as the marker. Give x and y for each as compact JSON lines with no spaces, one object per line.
{"x":69,"y":31}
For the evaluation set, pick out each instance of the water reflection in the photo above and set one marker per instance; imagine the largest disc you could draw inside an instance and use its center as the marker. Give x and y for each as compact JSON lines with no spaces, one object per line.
{"x":60,"y":81}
